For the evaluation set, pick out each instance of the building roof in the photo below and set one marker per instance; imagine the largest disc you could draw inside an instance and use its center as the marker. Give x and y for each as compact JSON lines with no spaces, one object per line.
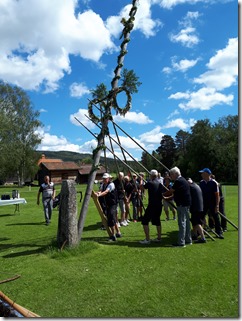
{"x":85,"y":169}
{"x":43,"y":159}
{"x":56,"y":166}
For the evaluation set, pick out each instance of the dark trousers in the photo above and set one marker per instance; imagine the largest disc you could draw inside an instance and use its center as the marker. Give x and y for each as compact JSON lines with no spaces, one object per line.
{"x":221,"y":210}
{"x":214,"y":220}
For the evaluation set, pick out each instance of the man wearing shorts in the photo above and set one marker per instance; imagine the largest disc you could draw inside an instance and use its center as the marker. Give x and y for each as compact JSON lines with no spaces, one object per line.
{"x":153,"y":211}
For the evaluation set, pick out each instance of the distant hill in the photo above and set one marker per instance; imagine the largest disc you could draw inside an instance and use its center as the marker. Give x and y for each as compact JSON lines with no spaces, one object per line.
{"x":66,"y":156}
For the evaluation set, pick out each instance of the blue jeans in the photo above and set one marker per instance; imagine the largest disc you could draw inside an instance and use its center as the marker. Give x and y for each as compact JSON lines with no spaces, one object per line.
{"x":48,"y":206}
{"x":184,"y":234}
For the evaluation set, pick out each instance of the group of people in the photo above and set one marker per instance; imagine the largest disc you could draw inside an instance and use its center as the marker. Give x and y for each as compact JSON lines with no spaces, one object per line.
{"x":189,"y":202}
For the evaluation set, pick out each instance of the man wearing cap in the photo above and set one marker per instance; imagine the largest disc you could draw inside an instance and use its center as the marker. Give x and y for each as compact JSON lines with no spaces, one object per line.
{"x":153,"y":211}
{"x":211,"y":199}
{"x":108,"y":192}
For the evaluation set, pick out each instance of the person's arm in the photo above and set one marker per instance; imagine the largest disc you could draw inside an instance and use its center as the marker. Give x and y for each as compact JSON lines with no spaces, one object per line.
{"x":217,"y":198}
{"x":168,"y":195}
{"x":54,"y":192}
{"x":38,"y":196}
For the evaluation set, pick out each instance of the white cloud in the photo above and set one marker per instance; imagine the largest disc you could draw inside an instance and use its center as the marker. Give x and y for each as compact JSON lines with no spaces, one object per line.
{"x":184,"y":64}
{"x":35,"y":46}
{"x":154,"y":136}
{"x":205,"y":99}
{"x":187,"y":37}
{"x":80,"y":115}
{"x":169,"y":4}
{"x":133,"y":117}
{"x":223,"y":67}
{"x":180,"y":123}
{"x":222,"y":73}
{"x":78,"y":90}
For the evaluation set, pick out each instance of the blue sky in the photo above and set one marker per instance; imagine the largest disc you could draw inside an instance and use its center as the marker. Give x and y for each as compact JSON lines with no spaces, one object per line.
{"x":185,"y":54}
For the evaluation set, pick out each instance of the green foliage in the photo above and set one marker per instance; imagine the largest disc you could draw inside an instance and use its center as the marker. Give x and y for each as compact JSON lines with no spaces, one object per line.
{"x":121,"y":280}
{"x":167,"y":150}
{"x":130,"y":81}
{"x":18,"y":123}
{"x":214,"y":146}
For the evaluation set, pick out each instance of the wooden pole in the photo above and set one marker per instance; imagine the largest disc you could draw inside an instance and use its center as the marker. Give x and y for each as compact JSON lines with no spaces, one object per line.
{"x":25,"y":312}
{"x":100,"y":211}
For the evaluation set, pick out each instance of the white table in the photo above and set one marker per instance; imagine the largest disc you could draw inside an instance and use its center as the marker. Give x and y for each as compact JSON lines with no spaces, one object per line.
{"x":13,"y":201}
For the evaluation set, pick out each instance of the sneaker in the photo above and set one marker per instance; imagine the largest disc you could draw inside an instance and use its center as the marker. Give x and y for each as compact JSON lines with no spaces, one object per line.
{"x":123,"y":223}
{"x":225,"y":229}
{"x":118,"y":235}
{"x":112,"y":239}
{"x":118,"y":224}
{"x":156,"y":240}
{"x":201,"y":241}
{"x":145,"y":241}
{"x":128,"y":221}
{"x":188,"y":243}
{"x":178,"y":245}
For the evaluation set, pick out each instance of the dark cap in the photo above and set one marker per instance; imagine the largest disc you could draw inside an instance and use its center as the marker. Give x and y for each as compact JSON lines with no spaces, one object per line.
{"x":205,"y":170}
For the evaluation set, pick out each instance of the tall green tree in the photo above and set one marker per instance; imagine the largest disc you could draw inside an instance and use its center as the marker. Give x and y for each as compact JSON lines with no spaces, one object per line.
{"x":18,"y":125}
{"x":167,"y":151}
{"x":226,"y":139}
{"x":181,"y":140}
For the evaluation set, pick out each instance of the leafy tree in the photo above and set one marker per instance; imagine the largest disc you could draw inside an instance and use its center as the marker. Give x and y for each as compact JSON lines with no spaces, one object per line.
{"x":167,"y":151}
{"x":181,"y":140}
{"x":18,"y":124}
{"x":200,"y":147}
{"x":226,"y":140}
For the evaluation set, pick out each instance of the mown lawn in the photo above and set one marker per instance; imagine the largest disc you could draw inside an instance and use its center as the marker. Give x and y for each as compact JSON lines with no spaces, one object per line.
{"x":123,"y":279}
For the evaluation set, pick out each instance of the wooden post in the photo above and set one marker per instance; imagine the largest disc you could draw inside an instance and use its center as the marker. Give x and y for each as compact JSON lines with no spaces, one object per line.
{"x":100,"y":211}
{"x":67,"y":225}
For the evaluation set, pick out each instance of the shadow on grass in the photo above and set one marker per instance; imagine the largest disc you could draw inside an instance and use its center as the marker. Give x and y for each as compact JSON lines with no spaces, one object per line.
{"x":39,"y":248}
{"x":167,"y":240}
{"x":23,"y":253}
{"x":27,"y":223}
{"x":92,"y":227}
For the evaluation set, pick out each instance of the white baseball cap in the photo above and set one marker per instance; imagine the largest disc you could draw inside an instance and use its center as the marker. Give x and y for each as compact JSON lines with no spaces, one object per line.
{"x":106,"y":175}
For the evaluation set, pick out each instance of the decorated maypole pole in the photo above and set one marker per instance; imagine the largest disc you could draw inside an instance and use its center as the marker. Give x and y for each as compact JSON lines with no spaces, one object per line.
{"x":107,"y":104}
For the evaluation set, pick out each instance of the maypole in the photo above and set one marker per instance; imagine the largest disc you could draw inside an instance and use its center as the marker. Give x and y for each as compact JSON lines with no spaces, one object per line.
{"x":108,"y":103}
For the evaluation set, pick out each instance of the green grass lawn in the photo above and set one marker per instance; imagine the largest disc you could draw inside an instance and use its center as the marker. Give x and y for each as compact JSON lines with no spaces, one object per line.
{"x":122,"y":279}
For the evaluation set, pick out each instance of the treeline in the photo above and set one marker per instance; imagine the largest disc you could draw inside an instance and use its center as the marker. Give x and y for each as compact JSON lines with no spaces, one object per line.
{"x":213,"y":146}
